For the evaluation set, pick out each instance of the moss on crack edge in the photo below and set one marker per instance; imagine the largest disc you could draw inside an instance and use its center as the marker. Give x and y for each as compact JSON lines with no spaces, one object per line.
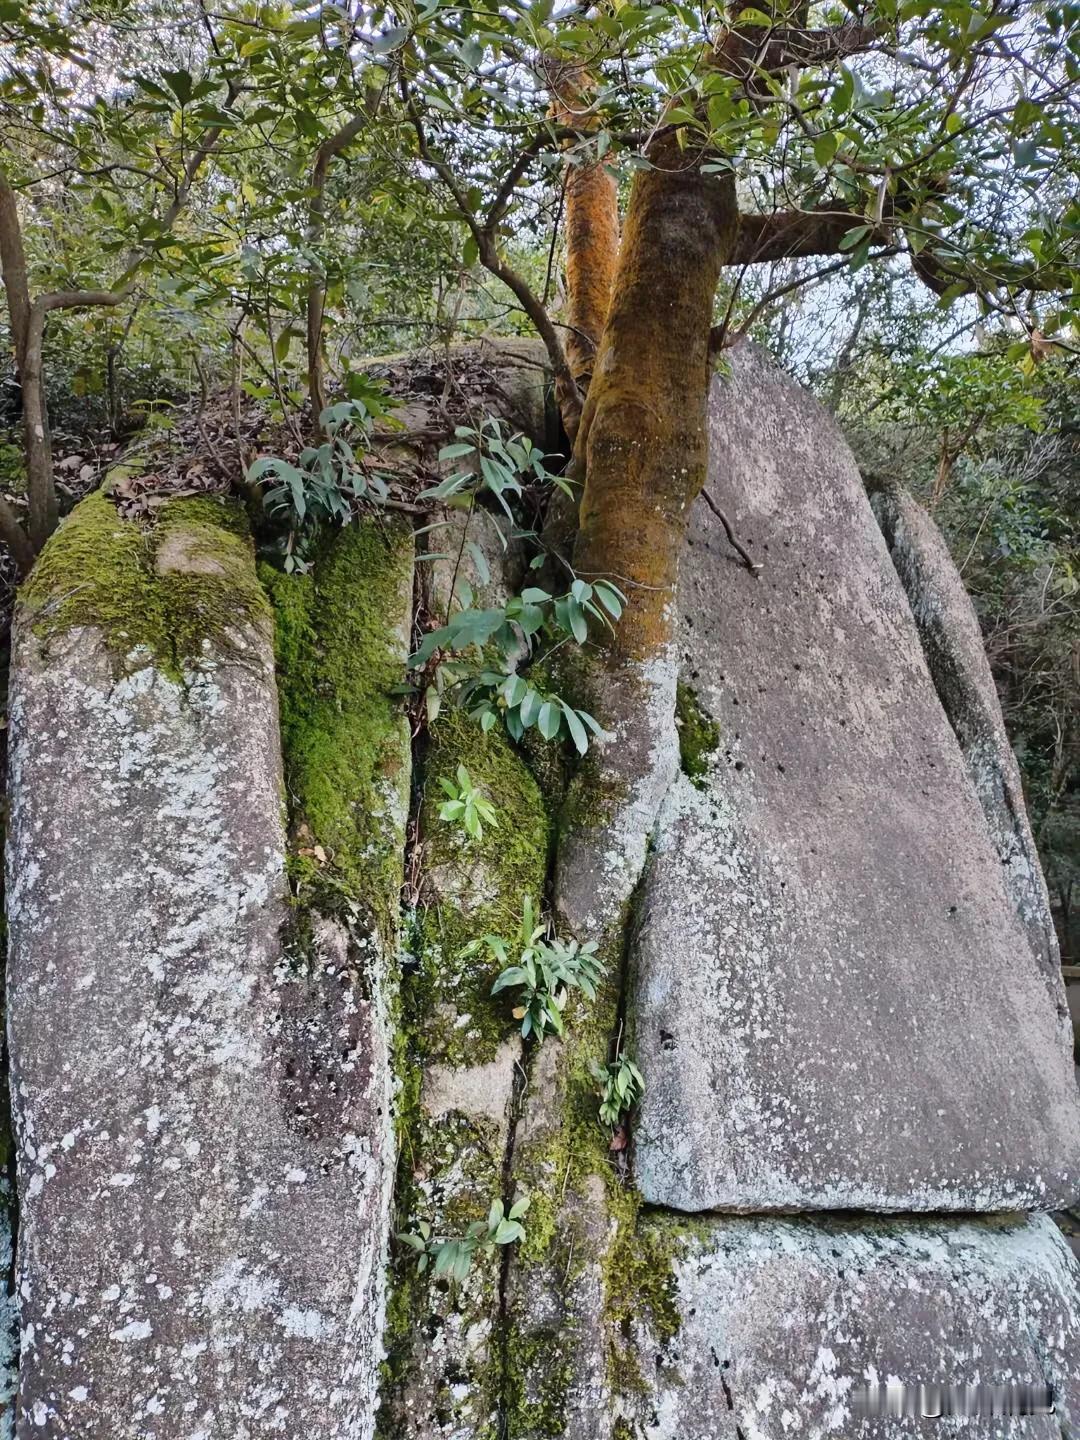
{"x":699,"y":734}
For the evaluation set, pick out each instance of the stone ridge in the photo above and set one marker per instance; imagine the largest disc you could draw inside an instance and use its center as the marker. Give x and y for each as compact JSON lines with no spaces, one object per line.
{"x":953,"y":645}
{"x":782,"y":1322}
{"x":198,"y":1110}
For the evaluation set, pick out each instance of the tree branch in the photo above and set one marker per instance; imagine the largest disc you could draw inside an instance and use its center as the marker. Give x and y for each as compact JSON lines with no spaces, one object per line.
{"x":791,"y":234}
{"x":15,"y":538}
{"x":750,"y":51}
{"x":567,"y":393}
{"x":13,"y":265}
{"x":316,"y":291}
{"x":28,"y":329}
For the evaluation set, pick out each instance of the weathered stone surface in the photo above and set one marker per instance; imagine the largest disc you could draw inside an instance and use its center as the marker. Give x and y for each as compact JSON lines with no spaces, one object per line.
{"x":9,"y":1317}
{"x":781,"y":1323}
{"x":460,"y":536}
{"x":834,"y":1003}
{"x":953,"y":645}
{"x":202,"y":1115}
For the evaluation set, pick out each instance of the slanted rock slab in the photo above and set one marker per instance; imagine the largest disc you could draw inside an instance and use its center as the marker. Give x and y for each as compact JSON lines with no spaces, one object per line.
{"x":834,"y":1002}
{"x":790,"y":1326}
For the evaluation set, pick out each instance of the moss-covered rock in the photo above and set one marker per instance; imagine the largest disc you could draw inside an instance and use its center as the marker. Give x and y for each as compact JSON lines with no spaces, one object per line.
{"x":341,"y":636}
{"x":472,"y":888}
{"x":460,"y":1056}
{"x":699,"y":734}
{"x":168,"y":590}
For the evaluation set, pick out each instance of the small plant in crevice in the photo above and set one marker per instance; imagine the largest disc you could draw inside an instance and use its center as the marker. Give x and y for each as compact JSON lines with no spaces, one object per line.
{"x":542,"y":970}
{"x":330,"y":480}
{"x":491,"y":686}
{"x":453,"y":1257}
{"x":500,"y":463}
{"x":491,"y":683}
{"x":465,"y":806}
{"x":621,"y":1088}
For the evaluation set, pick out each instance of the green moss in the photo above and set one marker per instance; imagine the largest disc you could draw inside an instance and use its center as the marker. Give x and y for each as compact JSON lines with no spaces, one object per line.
{"x":451,"y":1170}
{"x":540,"y":1371}
{"x":558,"y":1166}
{"x":115,"y":575}
{"x":473,"y":888}
{"x":699,"y":734}
{"x":640,"y":1274}
{"x":340,"y":653}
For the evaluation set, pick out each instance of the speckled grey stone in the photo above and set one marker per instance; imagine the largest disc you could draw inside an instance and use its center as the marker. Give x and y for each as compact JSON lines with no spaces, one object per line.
{"x":953,"y":645}
{"x":784,"y":1322}
{"x":9,"y":1318}
{"x":202,"y":1117}
{"x":833,"y":1001}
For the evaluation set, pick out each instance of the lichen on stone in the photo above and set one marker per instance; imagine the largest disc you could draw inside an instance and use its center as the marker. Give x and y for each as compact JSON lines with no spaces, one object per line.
{"x":105,"y":572}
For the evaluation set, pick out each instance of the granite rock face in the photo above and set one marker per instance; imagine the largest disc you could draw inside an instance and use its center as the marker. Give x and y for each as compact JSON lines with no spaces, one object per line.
{"x":790,"y":1326}
{"x":834,"y":1002}
{"x":953,"y":645}
{"x":201,"y":1111}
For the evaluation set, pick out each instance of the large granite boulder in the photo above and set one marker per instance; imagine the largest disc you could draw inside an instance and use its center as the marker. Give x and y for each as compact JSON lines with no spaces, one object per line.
{"x":201,"y":1095}
{"x":776,"y":1328}
{"x":834,"y":1001}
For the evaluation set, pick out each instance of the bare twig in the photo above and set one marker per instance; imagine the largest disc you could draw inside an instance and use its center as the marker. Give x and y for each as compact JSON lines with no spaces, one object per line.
{"x":748,"y":560}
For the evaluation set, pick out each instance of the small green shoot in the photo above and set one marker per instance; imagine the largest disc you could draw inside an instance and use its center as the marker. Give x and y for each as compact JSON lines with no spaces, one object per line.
{"x":453,"y":1257}
{"x":543,"y":971}
{"x":465,"y":806}
{"x":621,"y":1088}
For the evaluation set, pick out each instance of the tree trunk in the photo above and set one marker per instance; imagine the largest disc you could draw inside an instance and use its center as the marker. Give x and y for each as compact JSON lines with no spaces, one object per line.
{"x":37,"y":437}
{"x":642,"y":433}
{"x":591,"y":199}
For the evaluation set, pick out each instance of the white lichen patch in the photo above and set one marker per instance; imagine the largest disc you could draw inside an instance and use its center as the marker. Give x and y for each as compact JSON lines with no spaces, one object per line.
{"x":785,"y":1323}
{"x":203,"y":1227}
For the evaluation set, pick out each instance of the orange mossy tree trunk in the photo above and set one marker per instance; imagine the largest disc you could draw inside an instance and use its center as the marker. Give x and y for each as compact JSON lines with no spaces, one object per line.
{"x":591,"y":207}
{"x":642,"y":438}
{"x":642,"y":446}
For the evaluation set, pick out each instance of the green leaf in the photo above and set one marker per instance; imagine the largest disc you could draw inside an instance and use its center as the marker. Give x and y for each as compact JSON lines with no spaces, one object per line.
{"x":844,"y":92}
{"x":577,"y":730}
{"x":530,"y":706}
{"x":180,"y":83}
{"x":825,"y":148}
{"x":852,"y":237}
{"x":549,"y":721}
